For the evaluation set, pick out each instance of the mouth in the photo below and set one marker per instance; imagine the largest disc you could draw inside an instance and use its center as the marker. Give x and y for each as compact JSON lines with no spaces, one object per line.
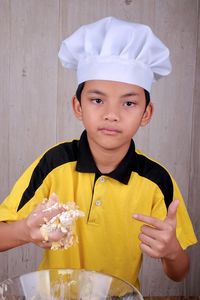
{"x":109,"y":131}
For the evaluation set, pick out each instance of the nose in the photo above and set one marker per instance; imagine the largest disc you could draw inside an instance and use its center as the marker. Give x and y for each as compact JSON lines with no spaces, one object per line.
{"x":111,"y":116}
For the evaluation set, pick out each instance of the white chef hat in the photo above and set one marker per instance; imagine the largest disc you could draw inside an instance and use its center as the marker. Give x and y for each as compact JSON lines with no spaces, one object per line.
{"x":117,"y":50}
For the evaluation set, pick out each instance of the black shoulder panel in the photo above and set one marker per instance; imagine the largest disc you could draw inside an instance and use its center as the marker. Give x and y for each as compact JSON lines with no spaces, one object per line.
{"x":156,"y":173}
{"x":56,"y":156}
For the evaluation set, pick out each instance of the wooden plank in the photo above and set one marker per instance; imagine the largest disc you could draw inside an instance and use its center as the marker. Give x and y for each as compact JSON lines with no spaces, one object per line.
{"x":33,"y":93}
{"x":192,"y":282}
{"x":170,"y":133}
{"x":4,"y":110}
{"x":4,"y":88}
{"x":33,"y":80}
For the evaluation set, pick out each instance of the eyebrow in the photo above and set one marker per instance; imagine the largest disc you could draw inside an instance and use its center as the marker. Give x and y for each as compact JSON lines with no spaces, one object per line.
{"x":130,"y":94}
{"x":96,"y":92}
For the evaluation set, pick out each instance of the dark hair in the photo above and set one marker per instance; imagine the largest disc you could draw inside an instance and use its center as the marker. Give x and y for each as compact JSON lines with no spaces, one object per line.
{"x":81,"y":86}
{"x":79,"y":91}
{"x":147,"y":96}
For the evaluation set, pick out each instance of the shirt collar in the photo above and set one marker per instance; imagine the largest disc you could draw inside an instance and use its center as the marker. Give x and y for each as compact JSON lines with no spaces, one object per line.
{"x":86,"y":163}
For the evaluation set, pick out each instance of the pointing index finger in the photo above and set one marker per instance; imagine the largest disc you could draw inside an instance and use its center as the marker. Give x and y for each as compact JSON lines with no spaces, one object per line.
{"x":159,"y":224}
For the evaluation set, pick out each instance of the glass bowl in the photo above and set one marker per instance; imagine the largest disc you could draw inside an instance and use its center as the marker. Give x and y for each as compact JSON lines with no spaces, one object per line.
{"x":67,"y":284}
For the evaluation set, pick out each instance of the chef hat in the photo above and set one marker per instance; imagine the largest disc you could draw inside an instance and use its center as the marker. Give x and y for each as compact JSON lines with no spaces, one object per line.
{"x":113,"y":49}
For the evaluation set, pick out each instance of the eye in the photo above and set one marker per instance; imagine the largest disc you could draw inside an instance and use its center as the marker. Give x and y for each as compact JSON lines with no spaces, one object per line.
{"x":129,"y":103}
{"x":97,"y":101}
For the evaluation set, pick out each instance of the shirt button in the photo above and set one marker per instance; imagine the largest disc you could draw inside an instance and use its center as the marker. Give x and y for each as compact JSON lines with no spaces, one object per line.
{"x":102,"y":179}
{"x":98,"y":203}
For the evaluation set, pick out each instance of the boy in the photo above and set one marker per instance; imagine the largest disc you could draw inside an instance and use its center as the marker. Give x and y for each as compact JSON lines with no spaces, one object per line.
{"x":129,"y":200}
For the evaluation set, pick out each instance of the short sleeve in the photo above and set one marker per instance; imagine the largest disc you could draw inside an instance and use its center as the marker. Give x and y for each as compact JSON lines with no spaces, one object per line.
{"x":184,"y":230}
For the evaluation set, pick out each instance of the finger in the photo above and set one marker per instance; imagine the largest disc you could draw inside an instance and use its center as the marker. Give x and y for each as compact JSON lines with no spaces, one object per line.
{"x":37,"y":218}
{"x":147,"y":240}
{"x":149,"y":251}
{"x":55,"y":235}
{"x":45,"y":244}
{"x":53,"y":198}
{"x":172,"y":209}
{"x":152,"y":232}
{"x":45,"y":211}
{"x":52,"y":201}
{"x":159,"y":224}
{"x":43,"y":216}
{"x":40,"y":206}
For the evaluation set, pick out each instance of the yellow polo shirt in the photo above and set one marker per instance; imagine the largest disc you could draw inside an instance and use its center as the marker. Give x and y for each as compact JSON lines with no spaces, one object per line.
{"x":108,"y":235}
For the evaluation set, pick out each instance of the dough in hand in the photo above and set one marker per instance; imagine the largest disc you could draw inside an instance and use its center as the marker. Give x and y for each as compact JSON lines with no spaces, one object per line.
{"x":64,"y":221}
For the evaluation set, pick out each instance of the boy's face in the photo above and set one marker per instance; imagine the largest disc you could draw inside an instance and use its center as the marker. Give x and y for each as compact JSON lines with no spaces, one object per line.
{"x":112,"y":112}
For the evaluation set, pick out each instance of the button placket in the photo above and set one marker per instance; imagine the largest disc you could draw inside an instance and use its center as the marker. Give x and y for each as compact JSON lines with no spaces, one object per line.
{"x":97,"y":200}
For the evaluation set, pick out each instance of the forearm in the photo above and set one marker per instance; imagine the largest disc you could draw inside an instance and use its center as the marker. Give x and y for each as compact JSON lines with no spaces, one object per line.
{"x":12,"y":235}
{"x":177,"y":267}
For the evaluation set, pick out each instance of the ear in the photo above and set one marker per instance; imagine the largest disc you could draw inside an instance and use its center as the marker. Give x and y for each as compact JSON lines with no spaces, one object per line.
{"x":77,"y":108}
{"x":147,"y":114}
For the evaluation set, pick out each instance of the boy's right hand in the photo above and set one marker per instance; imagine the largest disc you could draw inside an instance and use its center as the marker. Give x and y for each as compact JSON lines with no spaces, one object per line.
{"x":36,"y":219}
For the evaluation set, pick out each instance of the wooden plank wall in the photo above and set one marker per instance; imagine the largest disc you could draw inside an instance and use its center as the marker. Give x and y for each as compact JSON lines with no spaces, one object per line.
{"x":35,"y":107}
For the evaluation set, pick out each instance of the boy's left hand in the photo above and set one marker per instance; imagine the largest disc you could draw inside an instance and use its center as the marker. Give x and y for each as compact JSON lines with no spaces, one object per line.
{"x":158,"y":238}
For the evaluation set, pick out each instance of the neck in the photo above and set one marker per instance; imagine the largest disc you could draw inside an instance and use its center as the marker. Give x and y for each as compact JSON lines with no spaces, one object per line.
{"x":107,"y":160}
